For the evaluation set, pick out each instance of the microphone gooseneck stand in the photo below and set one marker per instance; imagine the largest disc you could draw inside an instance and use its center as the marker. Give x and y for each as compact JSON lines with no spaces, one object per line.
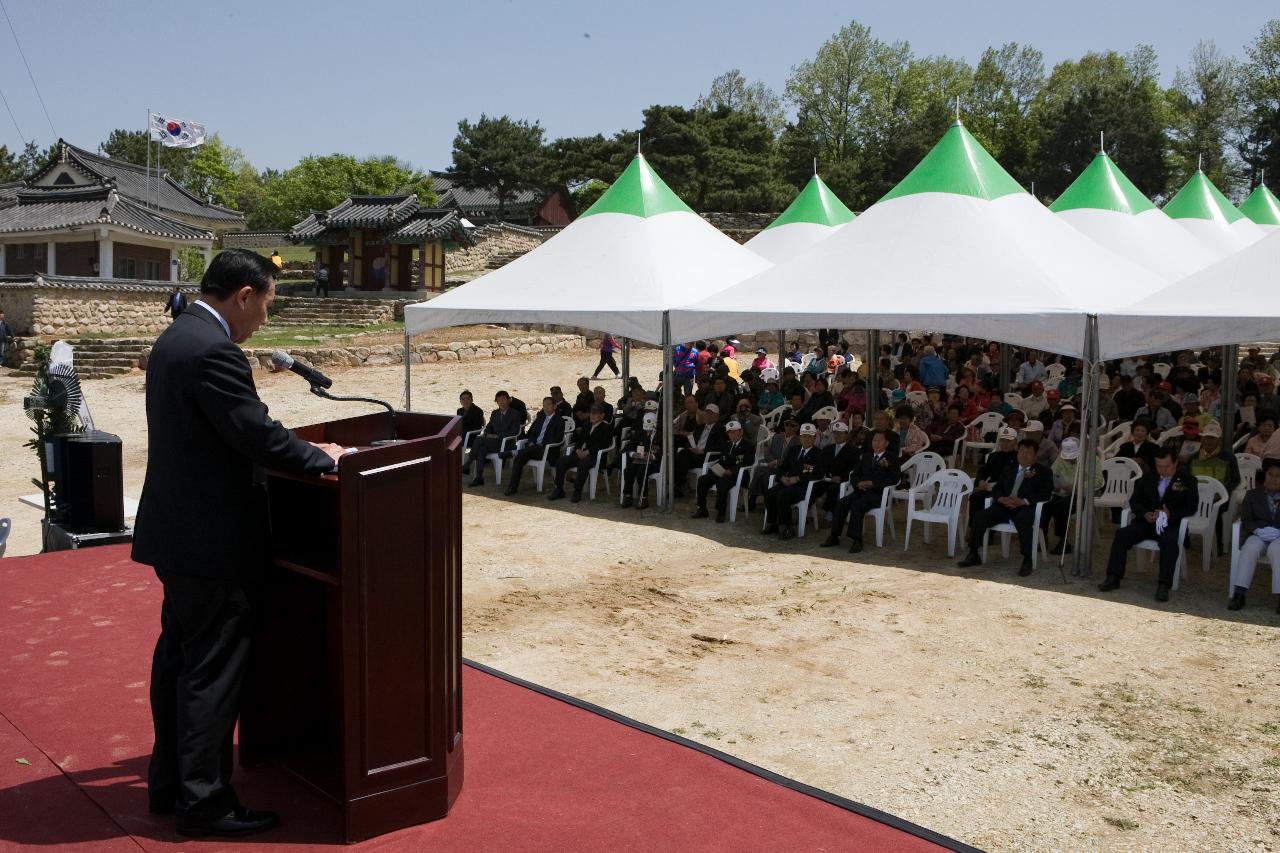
{"x":321,"y":392}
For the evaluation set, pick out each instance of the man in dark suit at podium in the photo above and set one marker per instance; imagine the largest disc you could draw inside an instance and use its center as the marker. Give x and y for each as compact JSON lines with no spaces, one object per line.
{"x":202,"y":524}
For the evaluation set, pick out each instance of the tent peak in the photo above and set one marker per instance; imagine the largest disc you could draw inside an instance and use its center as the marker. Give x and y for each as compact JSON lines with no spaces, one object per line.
{"x":638,"y":191}
{"x":1262,"y":206}
{"x":816,"y":203}
{"x":1200,"y":199}
{"x":958,"y":164}
{"x":1102,"y":186}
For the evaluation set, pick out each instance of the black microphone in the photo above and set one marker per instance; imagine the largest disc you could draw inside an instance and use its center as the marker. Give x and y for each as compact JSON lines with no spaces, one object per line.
{"x":283,"y":361}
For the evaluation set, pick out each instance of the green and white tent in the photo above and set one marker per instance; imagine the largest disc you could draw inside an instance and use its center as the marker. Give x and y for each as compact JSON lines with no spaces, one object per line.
{"x":634,"y":254}
{"x":958,"y":246}
{"x":1263,"y":208}
{"x":1203,"y":210}
{"x":813,"y":217}
{"x":1104,"y":205}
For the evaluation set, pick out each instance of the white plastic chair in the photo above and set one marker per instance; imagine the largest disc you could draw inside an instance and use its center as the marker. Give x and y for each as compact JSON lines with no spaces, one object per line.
{"x":1007,"y":528}
{"x":468,"y":438}
{"x":1054,"y":374}
{"x":1204,"y":523}
{"x":508,"y":445}
{"x":1111,"y":439}
{"x":880,"y":514}
{"x":801,"y":506}
{"x":918,"y":469}
{"x":539,"y":466}
{"x":979,"y":427}
{"x":602,"y":456}
{"x":1236,"y":565}
{"x":1161,"y":369}
{"x":1013,"y":398}
{"x":917,"y":399}
{"x":1250,"y":465}
{"x":952,"y":487}
{"x":738,"y":492}
{"x":1120,"y":474}
{"x":1154,"y":546}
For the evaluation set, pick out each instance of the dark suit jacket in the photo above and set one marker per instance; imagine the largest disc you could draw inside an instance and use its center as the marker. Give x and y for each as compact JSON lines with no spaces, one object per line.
{"x":716,"y":441}
{"x":641,"y":440}
{"x":555,"y":430}
{"x":586,"y":438}
{"x":1181,"y":498}
{"x":201,"y":513}
{"x":472,"y":418}
{"x":1255,"y":512}
{"x":886,"y":471}
{"x":504,"y":424}
{"x":993,"y":466}
{"x":841,"y":459}
{"x":1037,"y":484}
{"x":812,"y":467}
{"x":737,"y":456}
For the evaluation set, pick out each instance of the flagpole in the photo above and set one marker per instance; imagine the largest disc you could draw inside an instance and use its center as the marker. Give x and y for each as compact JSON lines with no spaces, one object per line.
{"x":146,"y":134}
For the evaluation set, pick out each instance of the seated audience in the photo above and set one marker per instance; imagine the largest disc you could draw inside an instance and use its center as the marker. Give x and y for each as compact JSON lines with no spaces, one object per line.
{"x":504,"y":422}
{"x":839,"y":457}
{"x":737,"y":453}
{"x":1140,"y":447}
{"x":709,"y":437}
{"x":588,"y":441}
{"x":1065,"y":470}
{"x":944,"y":434}
{"x":877,"y":469}
{"x":641,"y":456}
{"x":1259,"y":534}
{"x":1024,"y":483}
{"x":546,"y":431}
{"x":1161,"y":499}
{"x":911,"y":439}
{"x":993,"y":466}
{"x":802,"y":465}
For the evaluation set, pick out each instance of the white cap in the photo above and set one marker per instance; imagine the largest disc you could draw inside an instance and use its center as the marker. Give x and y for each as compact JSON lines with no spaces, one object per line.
{"x":826,"y":413}
{"x":649,"y":421}
{"x":808,"y":429}
{"x":839,"y":426}
{"x":711,"y":407}
{"x":733,"y":425}
{"x":1007,"y":434}
{"x":1070,"y":448}
{"x":1066,"y":407}
{"x":1033,"y":426}
{"x":1211,"y":429}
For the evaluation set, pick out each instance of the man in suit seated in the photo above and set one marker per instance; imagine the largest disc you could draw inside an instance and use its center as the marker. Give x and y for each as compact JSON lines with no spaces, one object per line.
{"x":1023,"y":484}
{"x":504,"y":422}
{"x":877,"y":469}
{"x":839,"y":457}
{"x":547,"y":429}
{"x":563,"y":407}
{"x":643,"y":456}
{"x":738,"y":453}
{"x":709,"y":437}
{"x":472,"y":420}
{"x":775,"y":451}
{"x":584,"y":401}
{"x":588,"y":441}
{"x":1259,"y":533}
{"x":993,"y":466}
{"x":1161,"y":499}
{"x":803,"y":464}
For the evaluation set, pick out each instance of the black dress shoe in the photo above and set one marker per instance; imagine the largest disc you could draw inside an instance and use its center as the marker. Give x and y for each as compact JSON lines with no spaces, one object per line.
{"x":644,"y":504}
{"x":577,"y":496}
{"x":970,"y":559}
{"x":785,"y":533}
{"x":241,"y":821}
{"x":556,"y":495}
{"x":700,"y":512}
{"x":721,"y":515}
{"x":1162,"y":592}
{"x":1109,"y":584}
{"x":856,"y":547}
{"x":627,"y":502}
{"x":830,"y":542}
{"x":1061,"y":548}
{"x":769,"y":530}
{"x":508,"y":491}
{"x":475,"y":483}
{"x":1025,"y":568}
{"x":1236,"y":602}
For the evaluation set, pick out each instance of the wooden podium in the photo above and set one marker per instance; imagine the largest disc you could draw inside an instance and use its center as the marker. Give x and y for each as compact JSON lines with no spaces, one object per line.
{"x":356,"y":682}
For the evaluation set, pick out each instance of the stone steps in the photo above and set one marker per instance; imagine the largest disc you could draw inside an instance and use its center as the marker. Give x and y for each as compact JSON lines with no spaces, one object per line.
{"x":97,"y":359}
{"x":316,"y":311}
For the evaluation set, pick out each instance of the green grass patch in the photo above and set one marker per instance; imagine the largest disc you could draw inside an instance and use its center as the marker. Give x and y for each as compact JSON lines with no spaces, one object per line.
{"x":315,"y":335}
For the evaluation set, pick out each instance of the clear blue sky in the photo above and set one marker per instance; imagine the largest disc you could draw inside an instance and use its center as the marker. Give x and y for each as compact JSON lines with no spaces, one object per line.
{"x":281,"y":79}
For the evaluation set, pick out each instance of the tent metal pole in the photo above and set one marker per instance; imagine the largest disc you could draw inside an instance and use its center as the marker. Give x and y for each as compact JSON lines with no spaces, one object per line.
{"x":873,"y":373}
{"x":668,"y":416}
{"x":1230,"y":391}
{"x":1089,"y":433}
{"x":782,"y":353}
{"x":626,"y":366}
{"x":408,"y":403}
{"x":1005,"y":366}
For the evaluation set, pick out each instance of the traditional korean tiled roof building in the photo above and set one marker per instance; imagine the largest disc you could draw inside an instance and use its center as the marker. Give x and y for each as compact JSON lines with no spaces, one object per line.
{"x":528,"y":207}
{"x":88,"y":215}
{"x":367,"y":242}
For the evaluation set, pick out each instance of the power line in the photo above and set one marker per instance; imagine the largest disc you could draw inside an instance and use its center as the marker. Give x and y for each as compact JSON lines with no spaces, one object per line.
{"x":39,"y":97}
{"x":9,"y":110}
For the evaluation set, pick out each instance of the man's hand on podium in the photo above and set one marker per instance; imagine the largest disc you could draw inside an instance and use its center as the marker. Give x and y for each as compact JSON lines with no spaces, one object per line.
{"x":333,"y":451}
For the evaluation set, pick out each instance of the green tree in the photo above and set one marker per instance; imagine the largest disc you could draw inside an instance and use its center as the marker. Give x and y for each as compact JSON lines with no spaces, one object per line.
{"x":1114,"y":93}
{"x":33,"y":158}
{"x":319,"y":183}
{"x":997,"y":110}
{"x":215,"y":172}
{"x":732,"y":90}
{"x":1259,"y":144}
{"x":1205,"y":118}
{"x":10,"y":170}
{"x":501,"y":155}
{"x":131,"y":147}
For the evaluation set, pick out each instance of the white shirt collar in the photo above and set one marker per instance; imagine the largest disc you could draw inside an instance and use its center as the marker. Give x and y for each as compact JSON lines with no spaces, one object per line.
{"x":206,"y":306}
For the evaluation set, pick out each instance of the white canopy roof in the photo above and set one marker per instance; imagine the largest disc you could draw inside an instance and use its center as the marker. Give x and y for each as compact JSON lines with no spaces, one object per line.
{"x":813,"y":216}
{"x":957,"y":247}
{"x":637,"y":252}
{"x":1232,"y":301}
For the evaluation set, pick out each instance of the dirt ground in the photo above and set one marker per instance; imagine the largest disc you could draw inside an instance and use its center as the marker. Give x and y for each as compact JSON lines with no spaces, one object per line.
{"x":1012,"y":714}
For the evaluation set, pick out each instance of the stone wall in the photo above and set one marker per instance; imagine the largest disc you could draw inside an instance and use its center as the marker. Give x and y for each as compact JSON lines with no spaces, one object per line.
{"x":493,"y":240}
{"x":255,"y":240}
{"x":55,"y":306}
{"x":740,"y":226}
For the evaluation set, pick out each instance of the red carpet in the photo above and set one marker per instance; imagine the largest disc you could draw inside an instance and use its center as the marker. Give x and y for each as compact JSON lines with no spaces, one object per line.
{"x":77,"y":630}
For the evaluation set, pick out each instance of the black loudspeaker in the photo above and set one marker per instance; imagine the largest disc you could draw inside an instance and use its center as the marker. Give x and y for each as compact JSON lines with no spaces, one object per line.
{"x":91,"y":483}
